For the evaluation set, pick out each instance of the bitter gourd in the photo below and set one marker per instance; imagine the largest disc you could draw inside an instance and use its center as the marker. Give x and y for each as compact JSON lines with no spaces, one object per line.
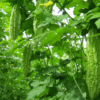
{"x":15,"y":21}
{"x":26,"y":61}
{"x":93,"y":64}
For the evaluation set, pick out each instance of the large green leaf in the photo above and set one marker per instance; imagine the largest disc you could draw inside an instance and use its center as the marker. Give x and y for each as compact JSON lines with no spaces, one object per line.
{"x":37,"y":91}
{"x":53,"y":37}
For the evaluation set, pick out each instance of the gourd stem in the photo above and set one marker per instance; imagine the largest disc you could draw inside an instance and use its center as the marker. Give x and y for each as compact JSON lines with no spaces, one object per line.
{"x":78,"y":87}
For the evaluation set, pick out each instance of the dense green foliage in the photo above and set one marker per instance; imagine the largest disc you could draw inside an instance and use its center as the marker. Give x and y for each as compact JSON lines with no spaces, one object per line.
{"x":58,"y":59}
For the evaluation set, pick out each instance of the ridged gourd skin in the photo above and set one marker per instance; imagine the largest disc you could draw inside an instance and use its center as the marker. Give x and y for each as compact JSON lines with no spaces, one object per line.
{"x":93,"y":64}
{"x":15,"y":21}
{"x":26,"y":61}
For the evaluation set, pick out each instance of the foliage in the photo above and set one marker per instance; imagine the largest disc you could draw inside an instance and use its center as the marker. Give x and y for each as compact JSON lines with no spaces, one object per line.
{"x":58,"y":60}
{"x":12,"y":83}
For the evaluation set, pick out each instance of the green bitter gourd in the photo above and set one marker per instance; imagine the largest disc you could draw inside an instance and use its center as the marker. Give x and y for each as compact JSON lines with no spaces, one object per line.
{"x":93,"y":64}
{"x":26,"y":61}
{"x":15,"y":21}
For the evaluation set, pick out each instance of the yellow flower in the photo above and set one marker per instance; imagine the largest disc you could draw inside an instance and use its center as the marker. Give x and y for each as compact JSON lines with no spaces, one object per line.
{"x":47,"y":4}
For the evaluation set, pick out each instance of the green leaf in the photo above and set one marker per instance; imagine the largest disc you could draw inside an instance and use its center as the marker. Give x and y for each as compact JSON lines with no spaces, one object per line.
{"x":61,"y":17}
{"x":78,"y":20}
{"x":55,"y":19}
{"x":73,"y":95}
{"x":48,"y":70}
{"x":43,"y":24}
{"x":64,"y":62}
{"x":36,"y":92}
{"x":38,"y":82}
{"x":96,"y":15}
{"x":34,"y":13}
{"x":98,"y":23}
{"x":82,"y":4}
{"x":53,"y":27}
{"x":53,"y":37}
{"x":59,"y":94}
{"x":84,"y":94}
{"x":96,"y":2}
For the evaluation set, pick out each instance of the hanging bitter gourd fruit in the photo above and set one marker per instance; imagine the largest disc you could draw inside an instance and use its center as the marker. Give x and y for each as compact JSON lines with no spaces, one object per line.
{"x":93,"y":64}
{"x":26,"y":61}
{"x":15,"y":21}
